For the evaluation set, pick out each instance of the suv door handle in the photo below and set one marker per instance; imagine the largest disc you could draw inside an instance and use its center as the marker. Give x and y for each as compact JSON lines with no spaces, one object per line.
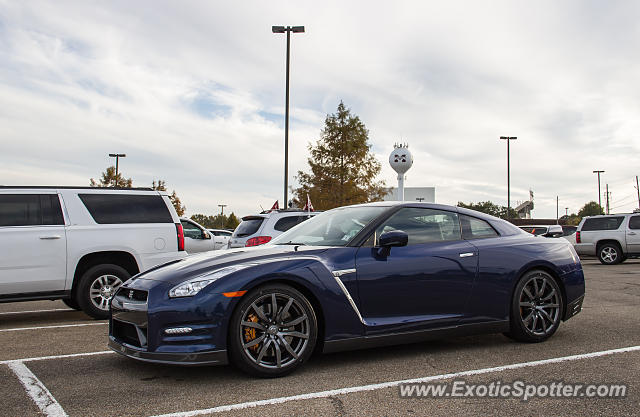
{"x":466,"y":254}
{"x":50,"y":237}
{"x":631,"y":233}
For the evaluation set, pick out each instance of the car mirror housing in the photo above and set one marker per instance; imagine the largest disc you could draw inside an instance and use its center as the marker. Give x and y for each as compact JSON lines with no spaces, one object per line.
{"x":206,"y":235}
{"x":393,"y":238}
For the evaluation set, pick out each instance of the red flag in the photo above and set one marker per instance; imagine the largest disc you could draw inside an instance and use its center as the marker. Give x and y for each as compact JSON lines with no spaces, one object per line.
{"x":275,"y":206}
{"x":308,"y":206}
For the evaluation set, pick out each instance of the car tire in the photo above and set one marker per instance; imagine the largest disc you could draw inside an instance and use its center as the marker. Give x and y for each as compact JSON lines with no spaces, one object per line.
{"x":281,"y":340}
{"x":71,"y":303}
{"x":609,"y":254}
{"x":97,"y":286}
{"x":536,"y":308}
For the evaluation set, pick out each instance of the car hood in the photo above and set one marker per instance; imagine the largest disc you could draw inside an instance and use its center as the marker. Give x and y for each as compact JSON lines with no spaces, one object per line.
{"x":195,"y":265}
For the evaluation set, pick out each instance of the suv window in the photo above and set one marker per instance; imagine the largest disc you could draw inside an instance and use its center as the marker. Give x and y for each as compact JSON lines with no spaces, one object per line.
{"x":423,"y":225}
{"x":248,"y":227}
{"x":30,"y":210}
{"x":123,"y":208}
{"x":634,"y":222}
{"x":191,"y":230}
{"x":473,"y":228}
{"x":287,"y":223}
{"x":602,"y":223}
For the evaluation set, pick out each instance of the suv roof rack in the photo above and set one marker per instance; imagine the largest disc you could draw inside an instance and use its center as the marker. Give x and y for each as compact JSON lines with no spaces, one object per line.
{"x":69,"y":187}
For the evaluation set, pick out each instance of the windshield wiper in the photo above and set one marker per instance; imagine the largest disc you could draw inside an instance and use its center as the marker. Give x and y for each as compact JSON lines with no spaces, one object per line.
{"x":292,"y":243}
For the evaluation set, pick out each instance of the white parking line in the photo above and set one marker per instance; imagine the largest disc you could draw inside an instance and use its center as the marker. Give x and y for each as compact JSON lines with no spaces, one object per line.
{"x":37,"y":391}
{"x":35,"y":311}
{"x":46,"y":358}
{"x":19,"y":329}
{"x":372,"y":387}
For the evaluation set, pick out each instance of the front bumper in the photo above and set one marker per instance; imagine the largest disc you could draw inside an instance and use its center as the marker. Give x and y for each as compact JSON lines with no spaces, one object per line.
{"x":216,"y":357}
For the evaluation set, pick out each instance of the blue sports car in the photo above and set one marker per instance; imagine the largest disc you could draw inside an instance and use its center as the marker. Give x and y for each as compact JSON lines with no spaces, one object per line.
{"x":352,"y":277}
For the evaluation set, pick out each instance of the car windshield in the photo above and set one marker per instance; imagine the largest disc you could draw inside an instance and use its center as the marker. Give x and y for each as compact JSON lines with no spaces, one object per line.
{"x":332,"y":228}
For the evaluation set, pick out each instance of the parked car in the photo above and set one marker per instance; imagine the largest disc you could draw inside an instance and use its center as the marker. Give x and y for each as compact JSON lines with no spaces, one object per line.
{"x":261,"y":228}
{"x":612,"y":238}
{"x":221,"y":237}
{"x":569,"y":233}
{"x":81,"y":244}
{"x":553,"y":230}
{"x":196,"y":237}
{"x":350,"y":278}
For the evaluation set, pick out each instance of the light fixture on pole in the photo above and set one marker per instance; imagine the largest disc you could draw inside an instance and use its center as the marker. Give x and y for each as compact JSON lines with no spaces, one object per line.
{"x":222,"y":206}
{"x":599,"y":196}
{"x":287,"y":30}
{"x":508,"y":139}
{"x":117,"y":156}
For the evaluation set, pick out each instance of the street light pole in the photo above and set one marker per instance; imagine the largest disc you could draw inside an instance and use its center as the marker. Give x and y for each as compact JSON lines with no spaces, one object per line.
{"x":599,"y":196}
{"x":508,"y":139}
{"x":117,"y":156}
{"x":222,"y":206}
{"x":287,"y":30}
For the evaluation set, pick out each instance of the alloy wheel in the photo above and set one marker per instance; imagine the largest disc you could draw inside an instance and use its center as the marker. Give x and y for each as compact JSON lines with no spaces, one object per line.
{"x":102,"y":289}
{"x":539,"y":305}
{"x":274,"y":331}
{"x":609,"y":254}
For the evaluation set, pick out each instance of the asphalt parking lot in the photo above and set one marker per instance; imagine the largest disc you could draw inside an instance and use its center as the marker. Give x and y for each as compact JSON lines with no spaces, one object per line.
{"x":55,"y":361}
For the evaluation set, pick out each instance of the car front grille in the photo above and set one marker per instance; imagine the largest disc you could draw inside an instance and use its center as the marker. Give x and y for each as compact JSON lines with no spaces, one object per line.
{"x":131,"y":294}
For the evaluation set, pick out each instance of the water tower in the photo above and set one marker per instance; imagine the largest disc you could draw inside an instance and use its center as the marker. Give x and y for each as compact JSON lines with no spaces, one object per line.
{"x":401,"y":160}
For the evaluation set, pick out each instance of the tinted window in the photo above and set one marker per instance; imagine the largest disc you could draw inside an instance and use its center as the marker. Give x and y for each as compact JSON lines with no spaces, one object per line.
{"x":248,"y":227}
{"x":123,"y":208}
{"x":568,"y":230}
{"x":191,"y":230}
{"x":602,"y":223}
{"x":423,"y":225}
{"x":30,"y":210}
{"x":634,"y":222}
{"x":287,"y":223}
{"x":473,"y":228}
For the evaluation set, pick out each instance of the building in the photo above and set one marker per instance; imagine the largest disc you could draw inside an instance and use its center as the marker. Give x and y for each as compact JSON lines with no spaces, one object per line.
{"x":423,"y":194}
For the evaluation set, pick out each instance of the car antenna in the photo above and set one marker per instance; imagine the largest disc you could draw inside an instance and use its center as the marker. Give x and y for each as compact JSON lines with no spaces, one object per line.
{"x":261,"y":208}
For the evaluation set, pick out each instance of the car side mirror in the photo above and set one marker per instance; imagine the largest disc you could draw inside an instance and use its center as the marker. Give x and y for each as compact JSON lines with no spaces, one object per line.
{"x":393,"y":238}
{"x":553,"y":234}
{"x":206,"y":235}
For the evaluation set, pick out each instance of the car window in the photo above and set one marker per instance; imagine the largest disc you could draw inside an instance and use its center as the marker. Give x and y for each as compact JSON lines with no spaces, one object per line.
{"x":126,"y":208}
{"x":248,"y":227}
{"x":191,"y":230}
{"x":474,"y":228}
{"x":286,"y":223}
{"x":30,"y":210}
{"x":602,"y":223}
{"x":568,"y":230}
{"x":225,"y":233}
{"x":423,"y":225}
{"x":634,"y":222}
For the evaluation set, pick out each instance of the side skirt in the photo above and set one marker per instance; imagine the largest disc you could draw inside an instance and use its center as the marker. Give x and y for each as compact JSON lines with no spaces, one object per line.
{"x":33,"y":296}
{"x":414,"y":337}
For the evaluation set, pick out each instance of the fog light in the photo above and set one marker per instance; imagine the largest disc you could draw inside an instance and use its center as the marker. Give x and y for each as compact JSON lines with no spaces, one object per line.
{"x":179,"y":330}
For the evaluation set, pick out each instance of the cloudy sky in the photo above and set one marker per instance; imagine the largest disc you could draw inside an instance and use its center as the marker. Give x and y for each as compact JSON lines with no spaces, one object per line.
{"x":193,"y":93}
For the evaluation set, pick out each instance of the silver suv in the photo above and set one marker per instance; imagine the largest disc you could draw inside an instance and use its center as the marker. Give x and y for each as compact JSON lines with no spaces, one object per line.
{"x":612,"y":238}
{"x":261,"y":228}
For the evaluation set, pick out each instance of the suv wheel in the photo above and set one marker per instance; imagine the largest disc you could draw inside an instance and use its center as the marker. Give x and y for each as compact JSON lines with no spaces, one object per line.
{"x":97,"y":286}
{"x":609,"y":254}
{"x":71,"y":303}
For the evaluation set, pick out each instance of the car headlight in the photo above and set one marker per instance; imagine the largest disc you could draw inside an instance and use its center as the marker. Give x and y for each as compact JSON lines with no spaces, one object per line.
{"x":194,"y":285}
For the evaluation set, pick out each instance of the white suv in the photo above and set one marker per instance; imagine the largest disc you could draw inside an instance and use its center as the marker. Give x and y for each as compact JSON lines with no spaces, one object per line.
{"x":81,"y":244}
{"x":612,"y":238}
{"x":261,"y":228}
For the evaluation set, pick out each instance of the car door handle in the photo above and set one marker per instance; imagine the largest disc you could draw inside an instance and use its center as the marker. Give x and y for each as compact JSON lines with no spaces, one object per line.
{"x":467,"y":254}
{"x":632,"y":233}
{"x":52,"y":237}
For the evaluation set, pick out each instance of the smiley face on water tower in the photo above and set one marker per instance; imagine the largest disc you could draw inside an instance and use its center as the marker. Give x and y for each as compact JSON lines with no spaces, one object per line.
{"x":401,"y":159}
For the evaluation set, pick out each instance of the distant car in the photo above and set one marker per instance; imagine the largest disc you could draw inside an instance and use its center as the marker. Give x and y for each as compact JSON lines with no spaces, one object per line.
{"x":553,"y":230}
{"x":259,"y":229}
{"x":221,"y":238}
{"x":196,"y":237}
{"x":612,"y":238}
{"x":353,"y":277}
{"x":569,"y":233}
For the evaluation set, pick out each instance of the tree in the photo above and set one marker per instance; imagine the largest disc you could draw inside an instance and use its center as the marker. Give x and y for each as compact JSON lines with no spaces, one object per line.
{"x":175,"y":200}
{"x":590,"y":209}
{"x":219,"y":221}
{"x":109,"y":179}
{"x":232,"y":222}
{"x":490,"y":208}
{"x":343,"y":169}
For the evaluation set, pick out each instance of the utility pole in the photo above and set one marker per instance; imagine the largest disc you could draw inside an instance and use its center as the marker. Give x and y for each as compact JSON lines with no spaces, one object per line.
{"x":607,"y":198}
{"x":638,"y":190}
{"x":566,"y":211}
{"x":222,"y":206}
{"x":599,"y":200}
{"x":557,"y":207}
{"x":117,"y":156}
{"x":508,"y":139}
